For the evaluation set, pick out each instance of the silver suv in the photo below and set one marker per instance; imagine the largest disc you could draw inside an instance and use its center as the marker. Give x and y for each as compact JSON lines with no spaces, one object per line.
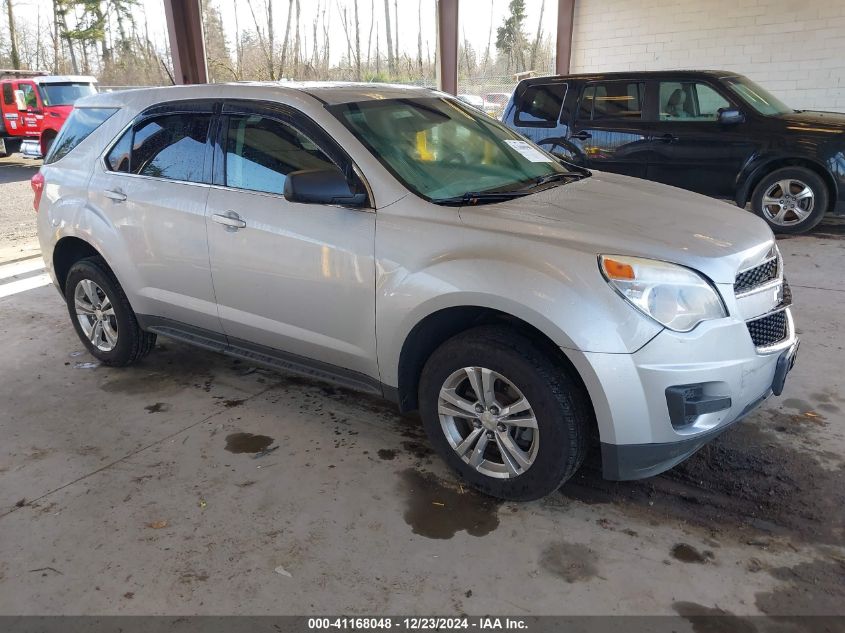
{"x":396,"y":241}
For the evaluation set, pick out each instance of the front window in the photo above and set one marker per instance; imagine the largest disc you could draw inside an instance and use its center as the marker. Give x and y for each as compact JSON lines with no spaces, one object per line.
{"x":65,"y":93}
{"x":442,"y":150}
{"x":756,"y":96}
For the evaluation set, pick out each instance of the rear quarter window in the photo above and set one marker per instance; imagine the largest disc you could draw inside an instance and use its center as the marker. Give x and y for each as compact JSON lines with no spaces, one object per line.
{"x":540,"y":105}
{"x":79,"y":126}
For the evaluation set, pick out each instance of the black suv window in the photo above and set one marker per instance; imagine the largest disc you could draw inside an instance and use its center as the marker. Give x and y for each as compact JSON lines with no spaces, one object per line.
{"x":261,"y":151}
{"x":170,"y":146}
{"x":612,"y":100}
{"x":540,"y":105}
{"x":689,"y":101}
{"x":79,"y":125}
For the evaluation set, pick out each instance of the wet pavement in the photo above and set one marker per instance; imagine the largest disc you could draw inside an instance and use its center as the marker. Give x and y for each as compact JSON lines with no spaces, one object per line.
{"x":180,"y":485}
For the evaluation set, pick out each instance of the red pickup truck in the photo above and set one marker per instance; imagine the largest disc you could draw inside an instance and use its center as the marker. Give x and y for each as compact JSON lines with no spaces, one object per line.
{"x":34,"y":106}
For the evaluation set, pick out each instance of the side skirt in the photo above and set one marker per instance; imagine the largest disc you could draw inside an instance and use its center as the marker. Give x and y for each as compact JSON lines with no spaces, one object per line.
{"x":266,"y":356}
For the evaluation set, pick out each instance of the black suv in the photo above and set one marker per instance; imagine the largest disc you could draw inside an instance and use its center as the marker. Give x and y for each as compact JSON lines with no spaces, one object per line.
{"x":714,"y":132}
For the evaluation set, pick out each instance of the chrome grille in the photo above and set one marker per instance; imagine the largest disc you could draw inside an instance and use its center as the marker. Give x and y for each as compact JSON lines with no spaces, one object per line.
{"x":770,"y":329}
{"x":757,"y":276}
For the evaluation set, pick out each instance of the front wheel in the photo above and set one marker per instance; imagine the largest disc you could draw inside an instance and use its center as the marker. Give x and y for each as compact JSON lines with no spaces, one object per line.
{"x":791,"y":199}
{"x":511,"y":421}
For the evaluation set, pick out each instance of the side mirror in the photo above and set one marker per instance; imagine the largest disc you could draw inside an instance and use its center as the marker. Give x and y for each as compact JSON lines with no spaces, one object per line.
{"x":730,"y":116}
{"x":321,"y":186}
{"x":20,"y":100}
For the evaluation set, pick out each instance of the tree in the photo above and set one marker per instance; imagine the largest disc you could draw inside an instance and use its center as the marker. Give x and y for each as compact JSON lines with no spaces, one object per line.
{"x":391,"y":64}
{"x":510,"y":38}
{"x":536,"y":45}
{"x":216,"y":49}
{"x":13,"y":37}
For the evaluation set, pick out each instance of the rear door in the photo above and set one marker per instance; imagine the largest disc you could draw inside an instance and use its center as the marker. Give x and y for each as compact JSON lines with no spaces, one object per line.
{"x":692,"y":149}
{"x":610,"y":130}
{"x":289,"y":276}
{"x":153,"y":185}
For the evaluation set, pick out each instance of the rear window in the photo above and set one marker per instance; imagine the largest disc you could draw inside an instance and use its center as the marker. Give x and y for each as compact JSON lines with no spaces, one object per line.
{"x":540,"y":105}
{"x":8,"y":94}
{"x":78,"y":127}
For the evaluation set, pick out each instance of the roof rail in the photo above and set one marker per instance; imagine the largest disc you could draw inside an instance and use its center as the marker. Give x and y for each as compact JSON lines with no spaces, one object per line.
{"x":13,"y":72}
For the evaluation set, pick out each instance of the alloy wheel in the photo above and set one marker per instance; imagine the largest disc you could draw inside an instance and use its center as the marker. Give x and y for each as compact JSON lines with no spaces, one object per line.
{"x":95,"y":314}
{"x":488,"y":422}
{"x":788,"y":202}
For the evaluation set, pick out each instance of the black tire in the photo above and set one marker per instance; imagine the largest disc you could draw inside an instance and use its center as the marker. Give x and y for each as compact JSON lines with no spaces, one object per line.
{"x":48,"y":143}
{"x":558,"y":399}
{"x":132,"y":342}
{"x":800,"y":175}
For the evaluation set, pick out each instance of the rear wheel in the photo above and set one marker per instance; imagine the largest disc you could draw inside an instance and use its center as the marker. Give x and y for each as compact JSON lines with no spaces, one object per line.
{"x":512,"y":422}
{"x":102,"y":316}
{"x":791,"y":199}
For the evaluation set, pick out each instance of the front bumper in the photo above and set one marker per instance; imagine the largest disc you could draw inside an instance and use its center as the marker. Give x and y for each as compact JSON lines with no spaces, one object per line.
{"x":629,"y":392}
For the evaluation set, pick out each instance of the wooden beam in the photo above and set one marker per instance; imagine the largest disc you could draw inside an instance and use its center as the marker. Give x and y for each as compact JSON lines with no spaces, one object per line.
{"x":447,"y":45}
{"x":565,"y":21}
{"x":187,"y":44}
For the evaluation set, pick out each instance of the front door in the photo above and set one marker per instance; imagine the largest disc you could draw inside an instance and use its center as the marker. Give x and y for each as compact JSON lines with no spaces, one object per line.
{"x":610,"y":132}
{"x":692,"y":150}
{"x":294,"y":277}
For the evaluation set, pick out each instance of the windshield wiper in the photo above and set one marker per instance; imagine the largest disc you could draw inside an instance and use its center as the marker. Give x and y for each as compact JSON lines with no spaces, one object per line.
{"x":480,"y":197}
{"x":565,"y":175}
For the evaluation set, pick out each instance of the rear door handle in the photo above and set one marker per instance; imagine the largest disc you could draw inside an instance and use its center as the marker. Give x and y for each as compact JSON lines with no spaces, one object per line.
{"x":581,"y":136}
{"x":231,"y":220}
{"x":115,"y":194}
{"x":668,"y":138}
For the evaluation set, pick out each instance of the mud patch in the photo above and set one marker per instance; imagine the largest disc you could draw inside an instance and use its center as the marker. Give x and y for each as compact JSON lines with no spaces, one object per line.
{"x":436,"y":510}
{"x":743,"y":483}
{"x":712,"y":619}
{"x":572,"y":562}
{"x":686,"y":553}
{"x":387,"y":454}
{"x":814,"y":588}
{"x":247,"y":443}
{"x":158,"y":407}
{"x":420,"y":450}
{"x":233,"y":403}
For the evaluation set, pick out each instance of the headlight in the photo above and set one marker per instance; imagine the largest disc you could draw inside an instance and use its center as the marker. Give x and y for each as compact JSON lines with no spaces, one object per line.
{"x":674,"y":296}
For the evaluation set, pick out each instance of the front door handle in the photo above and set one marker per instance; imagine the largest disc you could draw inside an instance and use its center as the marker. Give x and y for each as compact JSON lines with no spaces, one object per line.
{"x":668,"y":138}
{"x":231,"y":220}
{"x":582,"y":136}
{"x":115,"y":194}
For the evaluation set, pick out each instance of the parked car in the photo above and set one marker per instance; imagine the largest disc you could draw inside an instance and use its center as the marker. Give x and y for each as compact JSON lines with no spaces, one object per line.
{"x":496,"y":102}
{"x":479,"y":104}
{"x":396,"y":241}
{"x":713,"y":132}
{"x":34,"y":107}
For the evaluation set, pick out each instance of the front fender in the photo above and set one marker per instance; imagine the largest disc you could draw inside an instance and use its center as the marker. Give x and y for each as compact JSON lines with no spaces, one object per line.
{"x":571,"y":313}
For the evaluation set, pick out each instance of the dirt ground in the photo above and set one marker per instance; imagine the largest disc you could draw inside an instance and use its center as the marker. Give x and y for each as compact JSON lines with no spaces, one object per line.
{"x":195,"y":484}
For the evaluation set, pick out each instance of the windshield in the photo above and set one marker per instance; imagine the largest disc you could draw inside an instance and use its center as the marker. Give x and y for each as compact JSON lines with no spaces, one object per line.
{"x":757,"y":96}
{"x":441,"y":149}
{"x":65,"y":94}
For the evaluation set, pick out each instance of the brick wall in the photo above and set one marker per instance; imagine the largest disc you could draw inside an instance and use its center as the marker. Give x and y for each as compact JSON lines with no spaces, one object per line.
{"x":794,"y":48}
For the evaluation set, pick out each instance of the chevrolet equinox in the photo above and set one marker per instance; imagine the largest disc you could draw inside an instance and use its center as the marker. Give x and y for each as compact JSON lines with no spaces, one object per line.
{"x":396,"y":241}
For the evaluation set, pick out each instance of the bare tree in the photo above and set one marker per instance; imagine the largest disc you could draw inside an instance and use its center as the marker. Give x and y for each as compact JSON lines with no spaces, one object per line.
{"x":370,"y":38}
{"x":13,"y":37}
{"x":285,"y":42}
{"x":391,"y":64}
{"x":396,"y":30}
{"x":419,"y":36}
{"x":357,"y":43}
{"x":265,"y":44}
{"x":537,"y":37}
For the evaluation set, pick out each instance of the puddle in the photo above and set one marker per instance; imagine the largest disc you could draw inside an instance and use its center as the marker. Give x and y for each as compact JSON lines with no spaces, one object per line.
{"x":713,"y":619}
{"x":158,"y":407}
{"x":247,"y":443}
{"x":436,"y":510}
{"x":746,"y":483}
{"x":686,"y":553}
{"x":572,"y":562}
{"x":815,"y":588}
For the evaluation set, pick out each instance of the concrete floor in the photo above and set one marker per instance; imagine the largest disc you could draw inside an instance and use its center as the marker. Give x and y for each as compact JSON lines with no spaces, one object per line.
{"x":122,"y":491}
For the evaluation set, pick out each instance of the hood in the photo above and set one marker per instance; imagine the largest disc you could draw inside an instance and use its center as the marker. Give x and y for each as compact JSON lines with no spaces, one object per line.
{"x":612,"y":214}
{"x":814,"y":121}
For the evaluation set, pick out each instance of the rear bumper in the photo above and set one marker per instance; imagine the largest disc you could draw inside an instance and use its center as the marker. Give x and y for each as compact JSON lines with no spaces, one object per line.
{"x":641,"y":431}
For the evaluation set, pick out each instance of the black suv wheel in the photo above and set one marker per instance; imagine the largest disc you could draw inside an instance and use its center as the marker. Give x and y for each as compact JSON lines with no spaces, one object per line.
{"x":791,"y":199}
